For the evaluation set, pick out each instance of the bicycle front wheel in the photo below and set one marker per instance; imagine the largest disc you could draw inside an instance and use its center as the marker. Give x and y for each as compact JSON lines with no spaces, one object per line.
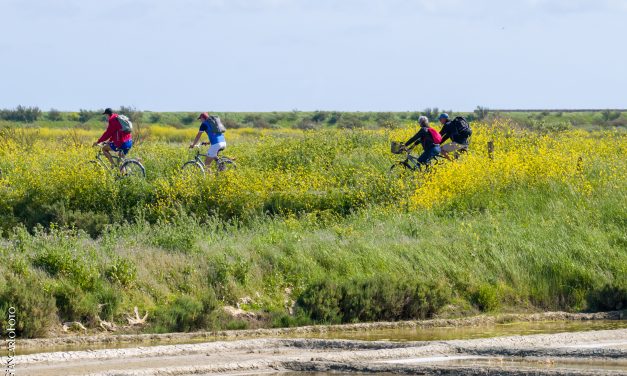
{"x":132,"y":167}
{"x":397,"y":169}
{"x":193,"y":167}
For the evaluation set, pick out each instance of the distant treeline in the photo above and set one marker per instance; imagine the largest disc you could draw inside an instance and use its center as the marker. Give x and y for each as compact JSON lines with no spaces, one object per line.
{"x":561,"y":110}
{"x":308,"y":120}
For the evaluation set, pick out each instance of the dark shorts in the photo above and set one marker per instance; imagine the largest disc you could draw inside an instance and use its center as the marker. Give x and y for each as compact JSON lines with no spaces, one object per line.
{"x":124,"y":148}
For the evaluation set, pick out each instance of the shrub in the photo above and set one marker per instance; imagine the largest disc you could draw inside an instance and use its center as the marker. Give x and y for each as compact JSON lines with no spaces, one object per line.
{"x":319,"y":116}
{"x":321,"y":302}
{"x":486,"y":298}
{"x":307,"y":125}
{"x":85,"y":115}
{"x":21,"y":114}
{"x":431,"y":113}
{"x":386,"y":120}
{"x":334,"y":117}
{"x":35,"y":308}
{"x":481,"y":112}
{"x":188,"y":119}
{"x":187,"y":313}
{"x":135,"y":115}
{"x":608,"y":115}
{"x":122,"y":271}
{"x":154,"y":117}
{"x":54,"y":115}
{"x":608,"y":298}
{"x":257,"y":121}
{"x":350,"y":121}
{"x":231,"y":123}
{"x":109,"y":300}
{"x":74,"y":304}
{"x":371,"y":299}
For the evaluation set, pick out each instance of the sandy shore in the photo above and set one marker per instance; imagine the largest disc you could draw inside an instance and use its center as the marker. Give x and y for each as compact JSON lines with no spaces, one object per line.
{"x":581,"y":353}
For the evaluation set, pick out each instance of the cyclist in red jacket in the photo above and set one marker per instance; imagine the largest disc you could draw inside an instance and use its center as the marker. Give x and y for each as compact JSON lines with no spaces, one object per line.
{"x":118,"y":140}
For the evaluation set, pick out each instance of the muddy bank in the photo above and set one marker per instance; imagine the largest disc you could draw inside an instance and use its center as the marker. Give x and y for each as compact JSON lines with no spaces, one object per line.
{"x":596,"y":352}
{"x":112,"y":340}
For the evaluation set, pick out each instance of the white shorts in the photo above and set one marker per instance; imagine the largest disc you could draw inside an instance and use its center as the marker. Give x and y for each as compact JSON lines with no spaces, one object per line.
{"x":215,"y":148}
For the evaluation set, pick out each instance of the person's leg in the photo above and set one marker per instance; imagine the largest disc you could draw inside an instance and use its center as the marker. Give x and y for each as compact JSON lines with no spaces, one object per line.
{"x":212,"y":154}
{"x":107,"y":149}
{"x":428,"y":155}
{"x":446,"y":149}
{"x":425,"y":157}
{"x":453,"y":147}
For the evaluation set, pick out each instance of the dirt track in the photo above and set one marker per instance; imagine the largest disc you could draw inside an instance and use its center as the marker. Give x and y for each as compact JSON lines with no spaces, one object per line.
{"x":596,"y":352}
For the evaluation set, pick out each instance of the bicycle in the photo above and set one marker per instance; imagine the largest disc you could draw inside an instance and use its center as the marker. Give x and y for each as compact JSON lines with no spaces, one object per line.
{"x":411,"y":161}
{"x":198,"y":163}
{"x":125,"y":167}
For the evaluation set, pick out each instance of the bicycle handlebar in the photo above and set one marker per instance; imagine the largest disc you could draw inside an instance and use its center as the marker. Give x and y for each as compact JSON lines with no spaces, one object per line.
{"x":201,"y":144}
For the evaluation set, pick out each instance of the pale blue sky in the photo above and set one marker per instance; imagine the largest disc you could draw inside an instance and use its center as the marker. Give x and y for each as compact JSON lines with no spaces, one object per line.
{"x":267,"y":55}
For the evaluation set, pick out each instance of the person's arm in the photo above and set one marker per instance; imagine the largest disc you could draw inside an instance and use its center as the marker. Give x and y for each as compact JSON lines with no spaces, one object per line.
{"x":106,"y":135}
{"x":445,"y":133}
{"x":417,"y":137}
{"x":195,"y":142}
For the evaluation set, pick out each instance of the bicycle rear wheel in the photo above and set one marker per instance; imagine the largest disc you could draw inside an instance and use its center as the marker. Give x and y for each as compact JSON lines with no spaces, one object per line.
{"x":194,"y":167}
{"x":226,"y":163}
{"x":132,"y":167}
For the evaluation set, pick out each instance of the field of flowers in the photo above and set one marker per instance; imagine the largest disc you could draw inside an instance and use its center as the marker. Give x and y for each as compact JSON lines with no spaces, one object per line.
{"x":313,"y":217}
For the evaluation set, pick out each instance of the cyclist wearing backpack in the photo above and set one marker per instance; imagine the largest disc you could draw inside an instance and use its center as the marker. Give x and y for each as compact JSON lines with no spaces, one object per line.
{"x":430,"y":139}
{"x":215,"y":131}
{"x":458,"y":131}
{"x":120,"y":138}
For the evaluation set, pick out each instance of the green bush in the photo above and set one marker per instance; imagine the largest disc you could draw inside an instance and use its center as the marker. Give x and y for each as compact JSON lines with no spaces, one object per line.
{"x":188,"y":119}
{"x":154,"y":117}
{"x":122,"y":271}
{"x":321,"y":302}
{"x":371,"y":299}
{"x":608,"y":298}
{"x":35,"y":308}
{"x":85,"y":115}
{"x":486,"y":298}
{"x":54,"y":115}
{"x":21,"y":114}
{"x":187,"y":313}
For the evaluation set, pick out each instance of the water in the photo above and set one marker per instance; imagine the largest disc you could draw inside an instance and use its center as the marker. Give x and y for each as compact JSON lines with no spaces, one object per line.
{"x":398,"y":335}
{"x":488,"y":331}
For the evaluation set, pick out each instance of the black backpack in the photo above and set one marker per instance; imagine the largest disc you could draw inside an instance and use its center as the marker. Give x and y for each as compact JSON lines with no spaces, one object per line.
{"x":461,"y":126}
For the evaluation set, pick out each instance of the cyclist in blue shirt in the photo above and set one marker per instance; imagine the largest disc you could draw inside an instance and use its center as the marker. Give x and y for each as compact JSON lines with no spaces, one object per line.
{"x":216,"y":139}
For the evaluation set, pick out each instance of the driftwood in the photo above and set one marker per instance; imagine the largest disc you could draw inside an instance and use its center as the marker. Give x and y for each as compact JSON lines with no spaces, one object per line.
{"x":106,"y":326}
{"x":132,"y":321}
{"x":73,"y":325}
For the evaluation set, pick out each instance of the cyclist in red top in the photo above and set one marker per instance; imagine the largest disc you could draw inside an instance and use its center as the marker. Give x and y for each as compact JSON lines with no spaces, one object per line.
{"x":119,"y":141}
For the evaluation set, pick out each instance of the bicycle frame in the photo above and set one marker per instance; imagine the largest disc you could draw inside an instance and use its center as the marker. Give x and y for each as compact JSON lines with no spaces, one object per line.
{"x":222,"y":162}
{"x":104,"y":162}
{"x":120,"y":163}
{"x":412,"y":163}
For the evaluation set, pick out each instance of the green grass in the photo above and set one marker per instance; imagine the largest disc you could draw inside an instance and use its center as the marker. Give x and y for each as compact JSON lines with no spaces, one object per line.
{"x":559,"y":252}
